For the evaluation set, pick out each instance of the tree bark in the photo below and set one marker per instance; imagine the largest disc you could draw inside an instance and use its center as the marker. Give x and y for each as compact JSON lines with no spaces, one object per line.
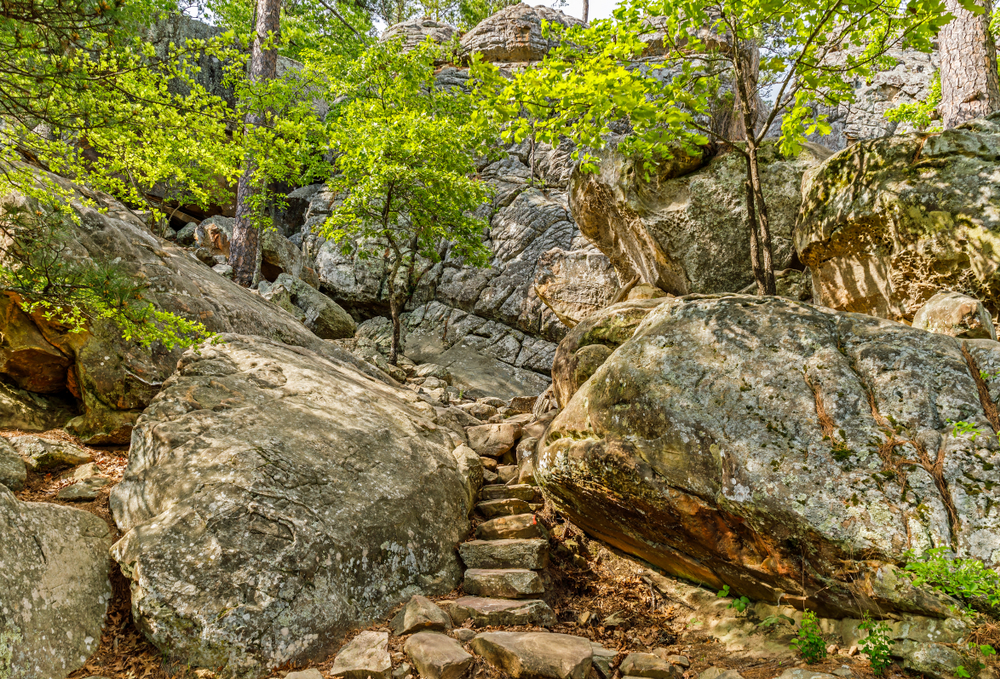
{"x":245,"y":242}
{"x":586,"y":10}
{"x":395,"y":304}
{"x":969,"y":81}
{"x":765,"y":273}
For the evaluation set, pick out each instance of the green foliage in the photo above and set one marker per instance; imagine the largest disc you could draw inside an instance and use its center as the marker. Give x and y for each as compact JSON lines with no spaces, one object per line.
{"x":738,"y":604}
{"x":920,"y":114}
{"x":963,"y":428}
{"x":9,"y":636}
{"x":809,"y":640}
{"x":967,"y":579}
{"x":877,"y":644}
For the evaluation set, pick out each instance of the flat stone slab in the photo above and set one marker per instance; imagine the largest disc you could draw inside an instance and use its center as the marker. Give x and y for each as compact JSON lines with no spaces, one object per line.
{"x":365,"y":657}
{"x":40,"y":454}
{"x":649,"y":666}
{"x":509,"y":583}
{"x":508,"y":507}
{"x":83,"y":491}
{"x":520,"y":526}
{"x":419,"y":615}
{"x":437,"y":656}
{"x":535,"y":655}
{"x":500,"y":612}
{"x":530,"y":554}
{"x":493,"y":440}
{"x":515,"y":492}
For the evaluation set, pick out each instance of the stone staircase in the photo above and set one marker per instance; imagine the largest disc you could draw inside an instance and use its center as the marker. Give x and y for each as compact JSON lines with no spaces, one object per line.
{"x":505,"y":561}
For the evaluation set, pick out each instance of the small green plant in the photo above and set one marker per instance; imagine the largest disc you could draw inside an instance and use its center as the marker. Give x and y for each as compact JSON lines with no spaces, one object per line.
{"x":961,"y":428}
{"x":738,"y":604}
{"x":809,"y":641}
{"x":988,"y":377}
{"x":960,"y":671}
{"x":877,"y":644}
{"x":963,"y":578}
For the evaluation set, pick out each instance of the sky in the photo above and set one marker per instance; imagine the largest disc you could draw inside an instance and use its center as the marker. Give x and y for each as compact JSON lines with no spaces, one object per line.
{"x":599,"y":9}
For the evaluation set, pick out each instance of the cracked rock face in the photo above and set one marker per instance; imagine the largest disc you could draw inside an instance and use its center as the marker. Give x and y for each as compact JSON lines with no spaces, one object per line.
{"x":275,"y":499}
{"x":784,"y":449}
{"x":54,"y":578}
{"x":886,"y":224}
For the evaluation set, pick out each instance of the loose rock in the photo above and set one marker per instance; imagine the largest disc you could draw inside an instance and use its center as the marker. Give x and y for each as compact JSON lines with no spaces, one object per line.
{"x":536,"y":655}
{"x":437,"y":656}
{"x":366,"y":656}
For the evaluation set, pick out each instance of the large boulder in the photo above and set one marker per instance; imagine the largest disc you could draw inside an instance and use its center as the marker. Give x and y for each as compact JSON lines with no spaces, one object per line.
{"x":275,"y":499}
{"x":28,"y":411}
{"x":115,"y":379}
{"x":417,"y":30}
{"x":54,"y":576}
{"x":686,"y":229}
{"x":575,"y":284}
{"x":886,"y":224}
{"x":787,"y":451}
{"x":514,"y":34}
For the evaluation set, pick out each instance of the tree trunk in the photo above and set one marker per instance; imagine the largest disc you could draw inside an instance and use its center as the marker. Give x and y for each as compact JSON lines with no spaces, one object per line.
{"x":245,"y":242}
{"x":395,"y":304}
{"x":969,"y":82}
{"x":760,"y":227}
{"x":586,"y":10}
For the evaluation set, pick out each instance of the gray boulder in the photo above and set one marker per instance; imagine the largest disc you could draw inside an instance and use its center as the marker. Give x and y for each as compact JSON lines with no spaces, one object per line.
{"x":54,"y":576}
{"x":28,"y":411}
{"x":955,"y":314}
{"x":275,"y":499}
{"x":514,"y":34}
{"x":415,"y":31}
{"x":886,"y":224}
{"x":774,"y":446}
{"x":13,"y":471}
{"x":686,"y":230}
{"x":318,"y":312}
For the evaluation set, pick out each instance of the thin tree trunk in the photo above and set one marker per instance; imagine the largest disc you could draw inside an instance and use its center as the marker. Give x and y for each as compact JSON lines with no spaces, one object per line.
{"x":755,"y":259}
{"x":394,"y":310}
{"x":765,"y":280}
{"x":586,"y":10}
{"x":245,"y":243}
{"x":969,"y":81}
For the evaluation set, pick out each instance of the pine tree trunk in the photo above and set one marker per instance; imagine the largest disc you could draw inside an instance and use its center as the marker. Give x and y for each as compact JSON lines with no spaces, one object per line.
{"x":969,"y":82}
{"x":586,"y":10}
{"x":394,"y":309}
{"x":764,"y":268}
{"x":245,"y":242}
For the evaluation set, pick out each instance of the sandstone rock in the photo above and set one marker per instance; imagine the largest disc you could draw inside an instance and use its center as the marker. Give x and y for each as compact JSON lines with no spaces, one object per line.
{"x":514,"y":34}
{"x":305,"y":674}
{"x":365,"y":657}
{"x":506,"y":507}
{"x":519,"y":492}
{"x":931,"y":660}
{"x":26,"y":356}
{"x":603,"y":659}
{"x":437,"y":656}
{"x":471,"y":468}
{"x":114,"y":379}
{"x":275,"y":499}
{"x":41,"y":454}
{"x":575,"y":284}
{"x":955,"y":314}
{"x":531,"y":554}
{"x":54,"y":577}
{"x":507,"y":473}
{"x":501,"y":612}
{"x":214,"y":234}
{"x":590,"y":343}
{"x":688,"y":234}
{"x":27,"y":411}
{"x":509,"y":583}
{"x":13,"y":471}
{"x":415,"y":31}
{"x":493,"y":440}
{"x":917,"y":217}
{"x":805,"y":673}
{"x":536,"y":655}
{"x":420,"y":615}
{"x":319,"y":313}
{"x":510,"y":527}
{"x":774,"y":422}
{"x":83,"y":491}
{"x":186,"y":235}
{"x":434,"y":370}
{"x":280,"y":256}
{"x":650,"y":666}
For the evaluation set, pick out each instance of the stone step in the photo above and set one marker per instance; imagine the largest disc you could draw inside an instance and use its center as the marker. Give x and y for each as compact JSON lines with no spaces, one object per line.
{"x":493,"y":508}
{"x":507,"y":472}
{"x":651,"y":666}
{"x":438,"y":656}
{"x":503,"y":583}
{"x":530,"y":554}
{"x":536,"y":655}
{"x":485,"y":612}
{"x":516,"y":492}
{"x":511,"y":527}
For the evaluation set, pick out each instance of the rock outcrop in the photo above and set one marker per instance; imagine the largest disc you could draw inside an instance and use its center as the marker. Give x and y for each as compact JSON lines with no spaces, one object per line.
{"x":886,"y":224}
{"x":415,"y":31}
{"x":113,"y":379}
{"x":784,"y":450}
{"x":275,"y":499}
{"x":686,"y":230}
{"x":54,"y":576}
{"x":514,"y":34}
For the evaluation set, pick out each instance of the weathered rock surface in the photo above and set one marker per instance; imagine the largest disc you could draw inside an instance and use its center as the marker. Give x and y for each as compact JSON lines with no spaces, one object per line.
{"x":886,"y":224}
{"x":531,"y":554}
{"x":486,"y":612}
{"x":275,"y":499}
{"x":420,"y":615}
{"x":318,"y":312}
{"x":365,"y":657}
{"x":27,"y":411}
{"x":13,"y":470}
{"x":575,"y":284}
{"x":437,"y":656}
{"x":113,"y":379}
{"x":536,"y":655}
{"x":955,"y":314}
{"x":509,"y":583}
{"x":650,"y":666}
{"x":41,"y":454}
{"x":415,"y":31}
{"x":510,"y":527}
{"x":514,"y":34}
{"x":686,"y":230}
{"x":737,"y":440}
{"x":54,"y":576}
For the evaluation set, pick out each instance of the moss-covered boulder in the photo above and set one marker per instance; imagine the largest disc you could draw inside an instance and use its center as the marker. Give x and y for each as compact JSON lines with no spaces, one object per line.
{"x":887,"y":223}
{"x":788,"y":451}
